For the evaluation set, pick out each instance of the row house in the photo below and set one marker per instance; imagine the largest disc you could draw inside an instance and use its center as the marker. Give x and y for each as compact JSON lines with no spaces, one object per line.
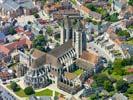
{"x":118,"y":5}
{"x":111,"y":45}
{"x":59,"y":14}
{"x":14,"y":8}
{"x":5,"y":76}
{"x":55,"y":7}
{"x":10,"y":50}
{"x":88,"y":13}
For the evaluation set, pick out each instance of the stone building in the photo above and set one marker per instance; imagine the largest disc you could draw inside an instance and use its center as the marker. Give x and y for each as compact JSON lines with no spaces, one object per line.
{"x":70,"y":83}
{"x":37,"y":76}
{"x":21,"y":70}
{"x":14,"y":8}
{"x":58,"y":64}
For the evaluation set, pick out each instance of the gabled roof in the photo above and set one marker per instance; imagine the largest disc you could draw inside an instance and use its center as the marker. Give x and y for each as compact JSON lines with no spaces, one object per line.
{"x":85,"y":9}
{"x":27,"y":4}
{"x":37,"y":53}
{"x":19,"y":43}
{"x":13,"y":5}
{"x":4,"y":49}
{"x":90,"y":57}
{"x":53,"y":61}
{"x":59,"y":51}
{"x":9,"y":5}
{"x":2,"y":36}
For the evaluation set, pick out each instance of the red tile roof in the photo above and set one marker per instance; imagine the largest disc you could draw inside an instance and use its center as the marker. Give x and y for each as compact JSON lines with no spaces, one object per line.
{"x":4,"y":75}
{"x":4,"y":49}
{"x":19,"y":43}
{"x":16,"y":44}
{"x":19,"y":29}
{"x":85,"y":9}
{"x":130,"y":70}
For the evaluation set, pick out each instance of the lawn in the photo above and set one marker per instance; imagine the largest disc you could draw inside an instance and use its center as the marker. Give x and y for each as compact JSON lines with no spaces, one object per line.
{"x":8,"y":86}
{"x":46,"y":92}
{"x":130,"y":42}
{"x":19,"y":93}
{"x":130,"y":96}
{"x":78,"y":72}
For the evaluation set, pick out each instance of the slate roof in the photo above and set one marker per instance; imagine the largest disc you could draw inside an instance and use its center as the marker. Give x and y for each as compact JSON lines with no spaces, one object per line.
{"x":37,"y":53}
{"x":11,"y":5}
{"x":84,"y":64}
{"x":128,"y":47}
{"x":50,"y":59}
{"x":2,"y":36}
{"x":27,"y":4}
{"x":59,"y":51}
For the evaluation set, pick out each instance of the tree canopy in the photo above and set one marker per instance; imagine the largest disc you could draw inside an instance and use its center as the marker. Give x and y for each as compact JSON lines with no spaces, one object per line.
{"x":49,"y":30}
{"x":121,"y":86}
{"x":130,"y":2}
{"x":39,"y":42}
{"x":121,"y":32}
{"x":130,"y":90}
{"x":108,"y":86}
{"x":29,"y":90}
{"x":11,"y":30}
{"x":91,"y":7}
{"x":14,"y":86}
{"x":100,"y":78}
{"x":112,"y":18}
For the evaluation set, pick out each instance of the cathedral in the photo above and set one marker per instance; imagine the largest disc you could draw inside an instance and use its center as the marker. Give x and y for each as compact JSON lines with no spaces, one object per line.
{"x":57,"y":64}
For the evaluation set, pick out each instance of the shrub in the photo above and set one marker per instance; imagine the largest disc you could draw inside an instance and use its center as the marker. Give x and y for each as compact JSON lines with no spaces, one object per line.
{"x":29,"y":90}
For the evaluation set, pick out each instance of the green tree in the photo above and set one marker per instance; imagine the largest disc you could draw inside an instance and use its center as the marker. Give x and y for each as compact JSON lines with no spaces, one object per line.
{"x":91,"y":7}
{"x":11,"y":30}
{"x":117,"y":63}
{"x":130,"y":90}
{"x":121,"y":32}
{"x":108,"y":86}
{"x":121,"y":86}
{"x":93,"y":97}
{"x":29,"y":22}
{"x":112,"y":18}
{"x":100,"y":78}
{"x":49,"y":30}
{"x":102,"y":11}
{"x":29,"y":90}
{"x":130,"y":2}
{"x":36,"y":15}
{"x":14,"y":86}
{"x":39,"y":42}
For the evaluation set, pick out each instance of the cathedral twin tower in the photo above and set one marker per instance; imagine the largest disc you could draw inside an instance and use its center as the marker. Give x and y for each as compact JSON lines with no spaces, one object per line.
{"x":76,"y":34}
